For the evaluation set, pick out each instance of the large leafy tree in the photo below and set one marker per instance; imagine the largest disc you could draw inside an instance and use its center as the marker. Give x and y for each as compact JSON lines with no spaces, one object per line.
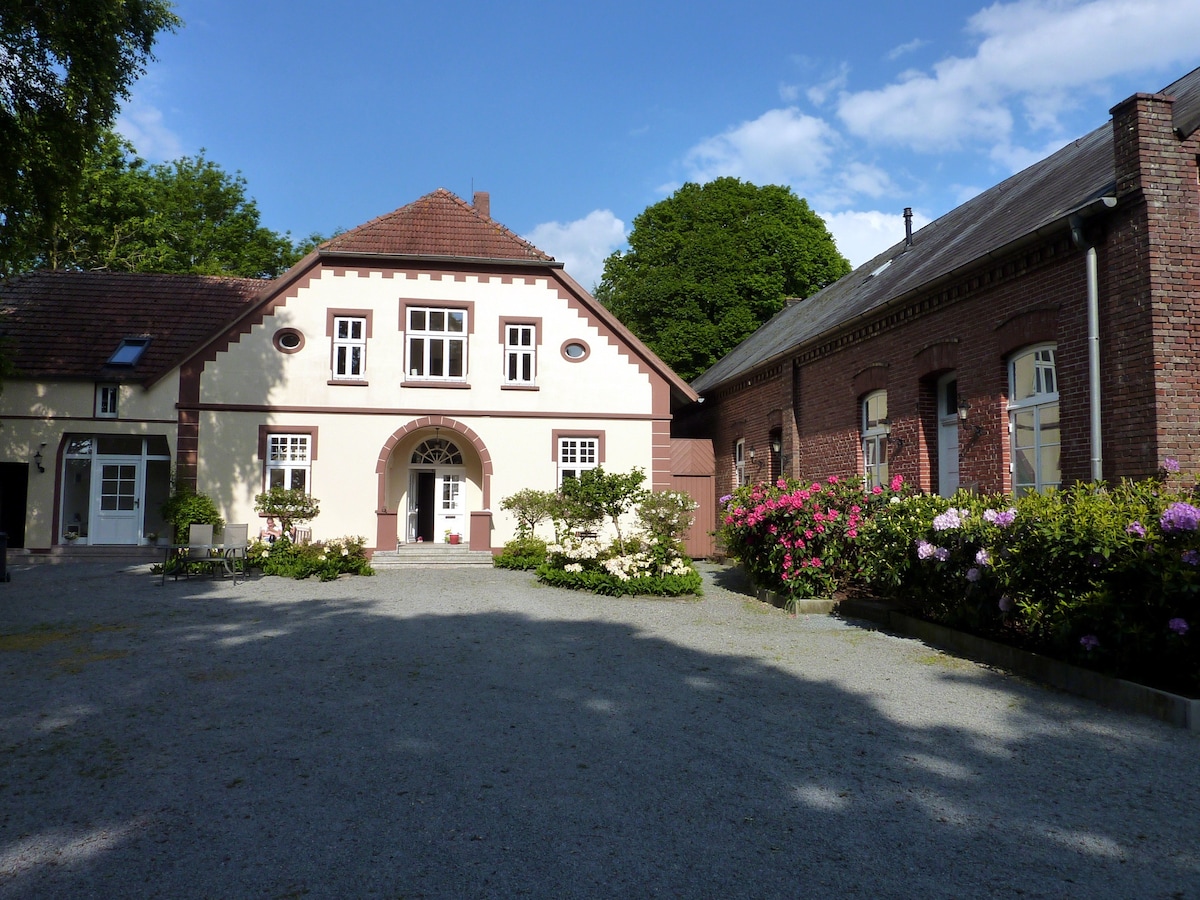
{"x":185,"y":216}
{"x":65,"y":66}
{"x":711,"y":263}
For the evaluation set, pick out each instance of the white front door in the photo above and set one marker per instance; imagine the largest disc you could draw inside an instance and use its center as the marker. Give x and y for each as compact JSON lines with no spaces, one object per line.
{"x":947,"y":400}
{"x":117,"y":500}
{"x":448,"y":496}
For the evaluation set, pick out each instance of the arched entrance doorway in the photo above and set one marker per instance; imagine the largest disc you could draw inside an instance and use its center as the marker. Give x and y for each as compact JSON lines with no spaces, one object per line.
{"x":434,"y":481}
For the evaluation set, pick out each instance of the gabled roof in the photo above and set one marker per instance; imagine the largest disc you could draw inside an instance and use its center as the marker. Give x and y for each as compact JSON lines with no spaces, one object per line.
{"x":65,"y":325}
{"x":1042,"y":195}
{"x":438,"y":225}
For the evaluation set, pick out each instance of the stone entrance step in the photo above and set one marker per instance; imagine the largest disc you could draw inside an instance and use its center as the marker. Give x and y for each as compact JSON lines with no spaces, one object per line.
{"x":422,"y":555}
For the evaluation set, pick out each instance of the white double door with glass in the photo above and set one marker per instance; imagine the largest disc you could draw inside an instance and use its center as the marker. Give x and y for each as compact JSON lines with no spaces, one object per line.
{"x":117,"y":500}
{"x":436,"y":503}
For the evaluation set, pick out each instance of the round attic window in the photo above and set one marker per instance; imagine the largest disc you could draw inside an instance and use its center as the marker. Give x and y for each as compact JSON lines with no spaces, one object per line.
{"x":575,"y":351}
{"x":288,"y":340}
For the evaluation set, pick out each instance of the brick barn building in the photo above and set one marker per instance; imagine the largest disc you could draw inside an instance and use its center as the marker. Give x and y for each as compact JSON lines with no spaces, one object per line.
{"x":1040,"y":334}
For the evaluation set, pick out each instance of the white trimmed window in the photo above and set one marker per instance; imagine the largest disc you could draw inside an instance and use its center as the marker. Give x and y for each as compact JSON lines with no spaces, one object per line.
{"x":289,"y":461}
{"x":875,"y":430}
{"x":437,"y":344}
{"x":349,"y":348}
{"x":576,"y":455}
{"x":739,"y":463}
{"x":107,"y":397}
{"x":1033,"y":420}
{"x":520,"y":354}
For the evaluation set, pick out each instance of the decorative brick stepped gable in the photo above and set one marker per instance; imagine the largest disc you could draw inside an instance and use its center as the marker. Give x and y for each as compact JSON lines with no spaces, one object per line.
{"x":413,"y":556}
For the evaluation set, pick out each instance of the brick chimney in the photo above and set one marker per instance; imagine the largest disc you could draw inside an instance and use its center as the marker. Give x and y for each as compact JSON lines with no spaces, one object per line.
{"x":483,"y":204}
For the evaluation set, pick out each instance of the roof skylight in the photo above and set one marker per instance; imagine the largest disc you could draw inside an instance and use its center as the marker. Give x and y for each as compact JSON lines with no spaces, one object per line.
{"x":129,"y":352}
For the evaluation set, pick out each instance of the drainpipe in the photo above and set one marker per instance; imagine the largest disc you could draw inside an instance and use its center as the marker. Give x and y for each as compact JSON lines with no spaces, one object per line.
{"x":1093,"y":329}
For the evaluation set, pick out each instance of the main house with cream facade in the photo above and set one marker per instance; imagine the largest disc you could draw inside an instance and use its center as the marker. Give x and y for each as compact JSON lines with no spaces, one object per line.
{"x":409,"y":373}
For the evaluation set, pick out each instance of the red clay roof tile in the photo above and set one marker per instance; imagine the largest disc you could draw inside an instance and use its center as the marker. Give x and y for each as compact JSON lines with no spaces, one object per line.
{"x":439,"y":224}
{"x":60,"y":324}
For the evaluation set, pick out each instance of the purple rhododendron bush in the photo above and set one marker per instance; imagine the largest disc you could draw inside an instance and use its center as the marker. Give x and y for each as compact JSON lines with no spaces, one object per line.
{"x":1105,"y":576}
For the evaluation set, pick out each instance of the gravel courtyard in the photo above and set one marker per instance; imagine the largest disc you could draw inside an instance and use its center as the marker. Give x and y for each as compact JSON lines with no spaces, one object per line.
{"x":469,"y":733}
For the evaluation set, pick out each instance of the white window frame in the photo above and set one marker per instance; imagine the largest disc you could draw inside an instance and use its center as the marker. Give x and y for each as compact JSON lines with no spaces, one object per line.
{"x":108,"y":401}
{"x":520,"y":353}
{"x":349,"y":348}
{"x":739,"y":463}
{"x":577,"y":455}
{"x":1042,"y":403}
{"x":876,"y":428}
{"x":420,"y":358}
{"x":290,"y":455}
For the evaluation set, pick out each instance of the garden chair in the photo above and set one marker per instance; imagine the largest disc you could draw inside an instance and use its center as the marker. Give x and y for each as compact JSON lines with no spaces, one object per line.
{"x":198,"y":550}
{"x":236,"y":543}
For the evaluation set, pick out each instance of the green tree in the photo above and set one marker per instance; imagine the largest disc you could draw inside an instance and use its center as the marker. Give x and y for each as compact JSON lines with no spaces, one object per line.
{"x":64,"y":69}
{"x":596,"y":494}
{"x":185,"y":216}
{"x":713,"y":262}
{"x":290,"y":506}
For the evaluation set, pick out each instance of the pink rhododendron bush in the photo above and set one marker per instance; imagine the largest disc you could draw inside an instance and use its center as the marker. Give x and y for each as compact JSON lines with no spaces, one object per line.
{"x":1106,"y":576}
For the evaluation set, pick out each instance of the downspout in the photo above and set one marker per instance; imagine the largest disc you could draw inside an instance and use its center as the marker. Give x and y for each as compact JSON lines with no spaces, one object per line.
{"x":1093,"y":332}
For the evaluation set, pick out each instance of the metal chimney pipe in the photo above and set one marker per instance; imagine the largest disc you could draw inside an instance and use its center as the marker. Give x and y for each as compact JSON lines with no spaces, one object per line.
{"x":907,"y":227}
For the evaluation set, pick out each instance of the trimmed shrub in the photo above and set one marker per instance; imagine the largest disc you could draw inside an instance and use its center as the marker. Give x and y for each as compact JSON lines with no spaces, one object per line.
{"x":327,"y":560}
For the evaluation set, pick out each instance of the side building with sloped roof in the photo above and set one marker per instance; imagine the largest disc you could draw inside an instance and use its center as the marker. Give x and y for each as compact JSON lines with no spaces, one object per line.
{"x":1042,"y":333}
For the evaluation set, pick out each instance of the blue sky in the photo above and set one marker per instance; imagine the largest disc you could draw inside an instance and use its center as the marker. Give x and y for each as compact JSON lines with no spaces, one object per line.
{"x":576,"y":117}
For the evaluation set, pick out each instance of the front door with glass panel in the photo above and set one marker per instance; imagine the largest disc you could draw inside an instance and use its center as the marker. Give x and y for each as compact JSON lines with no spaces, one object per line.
{"x":436,"y":492}
{"x":117,"y":501}
{"x":947,"y":392}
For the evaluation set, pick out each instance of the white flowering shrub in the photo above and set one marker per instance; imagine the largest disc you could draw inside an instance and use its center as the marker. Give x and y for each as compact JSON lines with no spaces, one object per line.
{"x":636,"y":565}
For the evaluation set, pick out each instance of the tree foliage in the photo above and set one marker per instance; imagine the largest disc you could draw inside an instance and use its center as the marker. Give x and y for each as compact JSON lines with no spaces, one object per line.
{"x":713,"y":262}
{"x":185,"y":216}
{"x":64,"y":68}
{"x":291,"y":506}
{"x":596,"y":494}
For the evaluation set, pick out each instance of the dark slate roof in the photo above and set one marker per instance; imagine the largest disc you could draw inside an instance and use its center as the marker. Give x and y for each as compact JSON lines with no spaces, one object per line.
{"x":1016,"y":209}
{"x":439,"y":225}
{"x":66,"y":325}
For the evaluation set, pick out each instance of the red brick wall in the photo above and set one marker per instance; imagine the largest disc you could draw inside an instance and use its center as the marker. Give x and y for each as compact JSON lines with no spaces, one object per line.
{"x":1157,"y":174}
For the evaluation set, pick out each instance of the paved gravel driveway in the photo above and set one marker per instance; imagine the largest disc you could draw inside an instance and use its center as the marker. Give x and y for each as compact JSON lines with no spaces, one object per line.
{"x":464,"y":733}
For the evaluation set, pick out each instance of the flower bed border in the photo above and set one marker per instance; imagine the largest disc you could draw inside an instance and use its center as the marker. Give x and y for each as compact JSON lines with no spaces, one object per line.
{"x":1114,"y":693}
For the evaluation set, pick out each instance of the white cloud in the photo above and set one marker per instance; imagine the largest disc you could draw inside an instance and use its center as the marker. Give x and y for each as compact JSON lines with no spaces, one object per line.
{"x":142,"y":124}
{"x":582,"y":245}
{"x":861,"y":236}
{"x":1030,"y":54}
{"x":780,"y":146}
{"x":819,"y":93}
{"x":897,"y":52}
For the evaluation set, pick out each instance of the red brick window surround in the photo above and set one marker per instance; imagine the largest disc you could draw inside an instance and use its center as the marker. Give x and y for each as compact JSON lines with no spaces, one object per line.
{"x":287,"y":453}
{"x":574,"y":452}
{"x":349,"y":330}
{"x":520,"y":338}
{"x":437,"y":336}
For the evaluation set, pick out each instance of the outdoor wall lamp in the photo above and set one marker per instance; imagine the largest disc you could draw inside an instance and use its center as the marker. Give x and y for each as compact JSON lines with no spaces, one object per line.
{"x":37,"y":460}
{"x":963,"y":408}
{"x":776,"y":445}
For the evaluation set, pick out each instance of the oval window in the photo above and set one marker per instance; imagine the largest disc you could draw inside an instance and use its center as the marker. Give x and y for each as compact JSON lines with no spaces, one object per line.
{"x":288,"y":340}
{"x":574,"y":350}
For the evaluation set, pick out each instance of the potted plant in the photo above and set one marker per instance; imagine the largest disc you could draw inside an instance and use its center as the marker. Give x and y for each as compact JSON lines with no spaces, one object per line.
{"x":452,"y":537}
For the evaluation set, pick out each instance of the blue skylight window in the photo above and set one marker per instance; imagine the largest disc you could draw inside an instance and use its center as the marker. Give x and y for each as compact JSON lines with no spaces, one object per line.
{"x":129,"y":352}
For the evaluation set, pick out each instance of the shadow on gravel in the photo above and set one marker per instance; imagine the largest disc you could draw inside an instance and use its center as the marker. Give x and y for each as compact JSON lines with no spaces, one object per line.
{"x":731,"y":578}
{"x":209,"y":746}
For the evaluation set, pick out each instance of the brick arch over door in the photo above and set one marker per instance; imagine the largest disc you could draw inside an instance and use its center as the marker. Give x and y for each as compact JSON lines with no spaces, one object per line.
{"x":458,"y":428}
